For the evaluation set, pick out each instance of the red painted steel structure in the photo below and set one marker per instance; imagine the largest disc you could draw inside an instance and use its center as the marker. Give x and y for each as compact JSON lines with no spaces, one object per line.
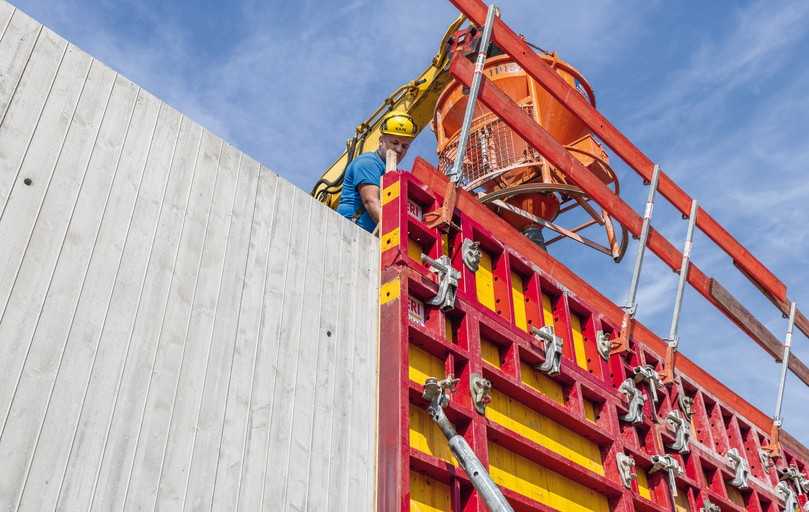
{"x":540,"y":139}
{"x":749,"y":265}
{"x":514,"y":45}
{"x":721,"y":421}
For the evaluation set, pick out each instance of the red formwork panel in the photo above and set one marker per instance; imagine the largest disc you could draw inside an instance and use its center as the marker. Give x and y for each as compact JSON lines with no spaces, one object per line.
{"x":581,"y":404}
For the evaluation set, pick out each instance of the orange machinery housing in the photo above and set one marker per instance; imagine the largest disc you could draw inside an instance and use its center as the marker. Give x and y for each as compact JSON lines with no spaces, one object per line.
{"x":500,"y":165}
{"x":497,"y":158}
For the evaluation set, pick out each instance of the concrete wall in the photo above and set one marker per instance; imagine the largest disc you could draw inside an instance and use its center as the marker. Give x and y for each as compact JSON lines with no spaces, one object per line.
{"x":179,"y":327}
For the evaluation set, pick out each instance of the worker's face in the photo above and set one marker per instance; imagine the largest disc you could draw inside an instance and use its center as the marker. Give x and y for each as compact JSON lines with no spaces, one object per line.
{"x":399,"y":145}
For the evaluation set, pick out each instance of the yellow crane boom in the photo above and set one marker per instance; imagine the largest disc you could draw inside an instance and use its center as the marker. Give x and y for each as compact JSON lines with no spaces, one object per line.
{"x":417,"y":98}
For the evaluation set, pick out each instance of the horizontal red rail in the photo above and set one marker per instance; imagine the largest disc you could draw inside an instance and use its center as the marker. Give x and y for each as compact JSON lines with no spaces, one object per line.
{"x":559,"y":157}
{"x":514,"y":45}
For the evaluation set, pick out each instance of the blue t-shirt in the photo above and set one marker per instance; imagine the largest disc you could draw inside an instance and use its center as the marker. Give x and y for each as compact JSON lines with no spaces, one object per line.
{"x":366,"y":169}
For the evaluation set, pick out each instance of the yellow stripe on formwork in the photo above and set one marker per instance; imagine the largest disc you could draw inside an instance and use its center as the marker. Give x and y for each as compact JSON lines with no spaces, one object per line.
{"x":389,"y":240}
{"x":519,"y":418}
{"x":735,"y":496}
{"x":578,"y":342}
{"x":424,"y":365}
{"x":518,"y":298}
{"x":426,"y":436}
{"x":428,"y":495}
{"x":540,"y":484}
{"x":449,"y":331}
{"x":444,"y":244}
{"x":490,"y":352}
{"x":413,"y":250}
{"x":391,"y":192}
{"x":541,"y":383}
{"x":643,"y":483}
{"x":547,"y":310}
{"x":681,"y":501}
{"x":589,"y":410}
{"x":389,"y":291}
{"x":484,"y":281}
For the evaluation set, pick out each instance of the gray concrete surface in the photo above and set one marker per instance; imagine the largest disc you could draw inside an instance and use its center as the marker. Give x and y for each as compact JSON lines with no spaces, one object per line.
{"x":180,"y":328}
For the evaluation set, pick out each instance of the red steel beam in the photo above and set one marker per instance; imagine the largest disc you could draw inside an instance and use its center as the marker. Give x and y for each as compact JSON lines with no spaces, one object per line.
{"x":515,"y":45}
{"x":525,"y":126}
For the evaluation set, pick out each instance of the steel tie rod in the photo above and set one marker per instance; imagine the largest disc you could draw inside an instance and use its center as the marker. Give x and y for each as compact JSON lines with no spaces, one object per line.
{"x":668,"y":376}
{"x":631,"y":305}
{"x":777,"y":419}
{"x":673,"y":339}
{"x":621,"y":345}
{"x":455,"y":174}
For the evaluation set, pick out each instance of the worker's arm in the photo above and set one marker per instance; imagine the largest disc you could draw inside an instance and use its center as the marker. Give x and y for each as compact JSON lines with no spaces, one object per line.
{"x":369,"y":194}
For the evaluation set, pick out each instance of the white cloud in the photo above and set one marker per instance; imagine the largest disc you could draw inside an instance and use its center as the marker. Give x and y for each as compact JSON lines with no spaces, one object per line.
{"x":757,"y":47}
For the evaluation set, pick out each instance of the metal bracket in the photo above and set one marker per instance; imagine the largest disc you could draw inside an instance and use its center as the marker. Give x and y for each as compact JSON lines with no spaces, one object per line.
{"x":470,"y":254}
{"x":785,"y":492}
{"x":682,"y":431}
{"x":437,"y":392}
{"x":709,"y":506}
{"x":636,"y":401}
{"x":647,"y":373}
{"x":670,"y":465}
{"x":448,"y":278}
{"x":603,"y":345}
{"x":553,"y":349}
{"x":625,"y":465}
{"x":742,"y":468}
{"x":765,"y":458}
{"x":794,"y":475}
{"x":686,"y":405}
{"x":481,"y":392}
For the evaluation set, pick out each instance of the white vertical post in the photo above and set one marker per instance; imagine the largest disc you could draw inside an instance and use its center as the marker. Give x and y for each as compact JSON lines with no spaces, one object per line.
{"x":390,"y":161}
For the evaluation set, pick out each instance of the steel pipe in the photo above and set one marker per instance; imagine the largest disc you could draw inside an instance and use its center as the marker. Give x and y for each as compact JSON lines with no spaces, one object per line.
{"x":644,"y":238}
{"x":673,"y":339}
{"x":455,"y":174}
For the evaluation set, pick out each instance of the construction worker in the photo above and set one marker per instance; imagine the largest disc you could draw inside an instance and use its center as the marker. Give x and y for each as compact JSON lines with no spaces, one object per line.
{"x":359,"y":200}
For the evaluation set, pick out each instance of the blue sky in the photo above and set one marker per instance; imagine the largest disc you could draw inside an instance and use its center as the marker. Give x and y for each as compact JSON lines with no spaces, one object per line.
{"x":713,"y":91}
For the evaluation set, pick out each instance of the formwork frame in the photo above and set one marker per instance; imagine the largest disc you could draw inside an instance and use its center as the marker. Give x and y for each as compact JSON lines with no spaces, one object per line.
{"x":418,"y":339}
{"x":552,"y":442}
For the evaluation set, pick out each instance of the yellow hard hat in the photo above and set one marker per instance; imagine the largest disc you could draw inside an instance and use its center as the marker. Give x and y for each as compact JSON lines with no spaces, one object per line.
{"x":400,"y":124}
